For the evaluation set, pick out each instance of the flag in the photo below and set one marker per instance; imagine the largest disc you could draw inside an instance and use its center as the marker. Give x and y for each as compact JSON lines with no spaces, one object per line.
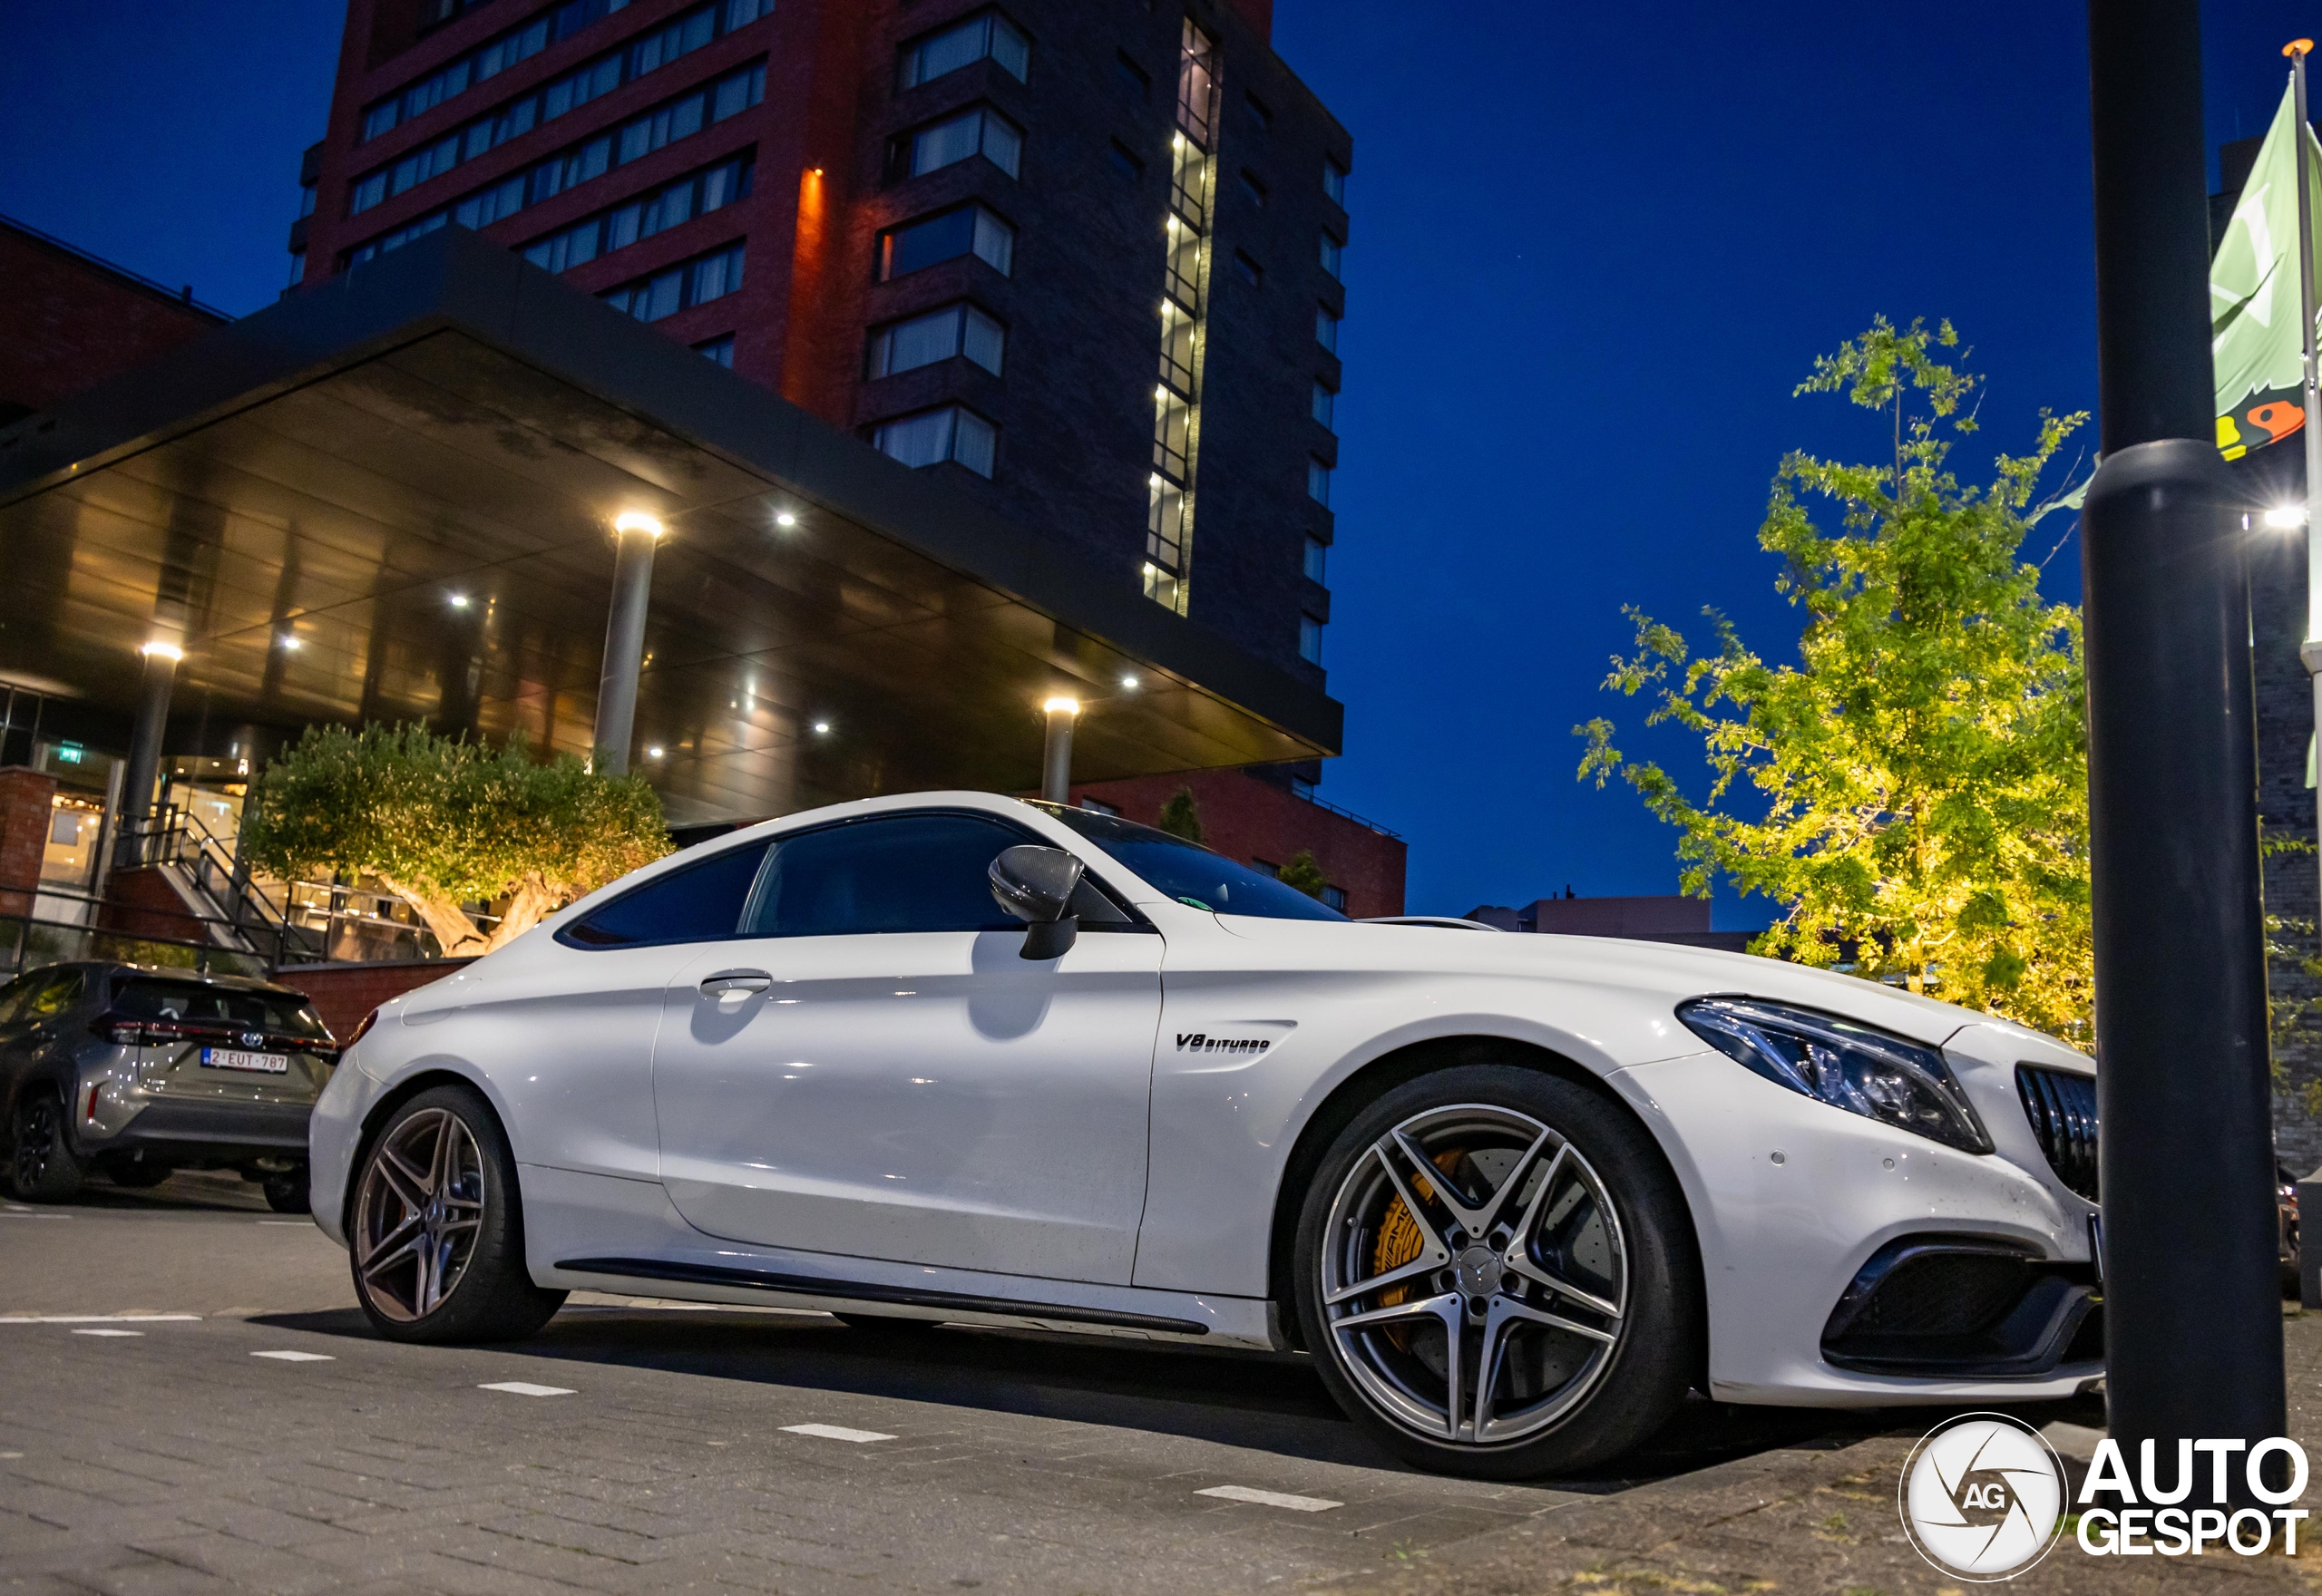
{"x":2255,"y":347}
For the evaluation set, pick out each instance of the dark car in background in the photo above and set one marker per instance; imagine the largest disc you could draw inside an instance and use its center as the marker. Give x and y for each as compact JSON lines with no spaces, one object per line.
{"x":130,"y":1072}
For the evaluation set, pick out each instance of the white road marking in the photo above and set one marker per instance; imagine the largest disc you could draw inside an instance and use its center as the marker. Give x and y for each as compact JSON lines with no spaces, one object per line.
{"x":97,"y":1318}
{"x":304,"y":1224}
{"x":526,"y":1388}
{"x":837,"y":1433}
{"x":4,"y":1456}
{"x":298,"y":1356}
{"x":1272,"y":1498}
{"x":108,"y":1332}
{"x":21,"y":1214}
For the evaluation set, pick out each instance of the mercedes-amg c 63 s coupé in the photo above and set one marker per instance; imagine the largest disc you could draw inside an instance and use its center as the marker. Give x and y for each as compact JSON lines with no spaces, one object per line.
{"x":959,"y":1057}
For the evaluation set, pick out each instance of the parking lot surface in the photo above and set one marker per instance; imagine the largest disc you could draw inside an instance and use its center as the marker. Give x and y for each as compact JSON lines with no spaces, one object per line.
{"x":193,"y":1403}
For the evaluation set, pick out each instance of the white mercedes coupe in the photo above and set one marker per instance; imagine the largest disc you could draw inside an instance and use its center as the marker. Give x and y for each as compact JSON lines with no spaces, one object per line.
{"x":959,"y":1057}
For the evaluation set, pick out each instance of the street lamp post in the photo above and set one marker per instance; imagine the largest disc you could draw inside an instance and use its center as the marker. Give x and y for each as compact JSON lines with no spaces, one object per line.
{"x":2192,"y":1313}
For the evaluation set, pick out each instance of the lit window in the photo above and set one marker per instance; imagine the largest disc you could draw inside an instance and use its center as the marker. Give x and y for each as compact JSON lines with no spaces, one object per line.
{"x":1333,"y":253}
{"x":1310,"y":640}
{"x":718,"y":351}
{"x":1318,"y":481}
{"x":934,"y":436}
{"x":1326,"y":329}
{"x":1318,"y":554}
{"x":954,"y":139}
{"x":1326,"y":403}
{"x":956,"y":329}
{"x":990,"y":34}
{"x":971,"y":230}
{"x":1335,"y":183}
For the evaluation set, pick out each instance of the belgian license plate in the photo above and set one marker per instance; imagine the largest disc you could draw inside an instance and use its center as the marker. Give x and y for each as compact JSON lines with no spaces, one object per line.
{"x":272,"y":1064}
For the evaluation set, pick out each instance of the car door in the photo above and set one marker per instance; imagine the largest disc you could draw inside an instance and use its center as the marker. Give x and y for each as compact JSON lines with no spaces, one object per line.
{"x":873,"y":1069}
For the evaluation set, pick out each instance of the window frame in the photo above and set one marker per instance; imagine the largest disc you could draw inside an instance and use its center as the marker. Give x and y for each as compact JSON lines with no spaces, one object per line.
{"x":950,"y":456}
{"x":902,"y":149}
{"x":960,"y":310}
{"x":992,"y":18}
{"x":1324,"y":316}
{"x":883,"y":256}
{"x":1310,"y":641}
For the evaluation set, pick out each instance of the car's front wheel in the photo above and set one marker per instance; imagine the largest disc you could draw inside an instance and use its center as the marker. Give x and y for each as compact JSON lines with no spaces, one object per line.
{"x":436,"y":1234}
{"x":1496,"y":1275}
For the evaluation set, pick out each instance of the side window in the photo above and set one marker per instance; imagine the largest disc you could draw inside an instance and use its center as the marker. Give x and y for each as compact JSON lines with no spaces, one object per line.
{"x":57,"y":995}
{"x":13,"y":995}
{"x":912,"y":873}
{"x":700,"y":903}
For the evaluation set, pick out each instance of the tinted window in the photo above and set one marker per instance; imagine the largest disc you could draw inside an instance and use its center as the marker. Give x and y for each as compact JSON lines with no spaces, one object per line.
{"x":13,"y":995}
{"x":919,"y":872}
{"x":189,"y":1003}
{"x":700,"y":903}
{"x":55,"y":994}
{"x":1190,"y":872}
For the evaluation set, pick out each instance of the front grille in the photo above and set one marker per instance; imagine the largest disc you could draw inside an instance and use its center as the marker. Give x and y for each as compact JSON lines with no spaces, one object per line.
{"x":2062,"y":1107}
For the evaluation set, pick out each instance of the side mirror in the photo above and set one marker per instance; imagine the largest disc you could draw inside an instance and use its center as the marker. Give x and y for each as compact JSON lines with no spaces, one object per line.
{"x":1036,"y":885}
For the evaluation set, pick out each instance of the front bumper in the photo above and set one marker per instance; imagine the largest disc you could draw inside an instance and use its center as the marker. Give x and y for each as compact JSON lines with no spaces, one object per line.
{"x":1791,"y":1199}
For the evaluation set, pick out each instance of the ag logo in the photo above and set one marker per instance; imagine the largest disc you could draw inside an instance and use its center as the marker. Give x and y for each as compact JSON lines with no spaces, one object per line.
{"x":1983,"y":1497}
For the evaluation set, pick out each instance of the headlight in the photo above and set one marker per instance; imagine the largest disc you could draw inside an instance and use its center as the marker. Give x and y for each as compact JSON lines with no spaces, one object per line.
{"x":1846,"y":1066}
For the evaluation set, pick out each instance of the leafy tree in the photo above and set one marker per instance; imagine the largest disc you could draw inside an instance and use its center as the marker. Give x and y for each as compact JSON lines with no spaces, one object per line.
{"x":1921,"y":773}
{"x":442,"y":821}
{"x":1179,"y":817}
{"x":1304,"y":874}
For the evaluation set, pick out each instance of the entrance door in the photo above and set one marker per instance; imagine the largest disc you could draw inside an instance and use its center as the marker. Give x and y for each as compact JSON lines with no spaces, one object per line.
{"x":873,"y":1068}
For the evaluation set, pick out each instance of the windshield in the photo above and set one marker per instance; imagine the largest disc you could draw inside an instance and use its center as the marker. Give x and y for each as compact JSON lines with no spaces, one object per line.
{"x":186,"y":1003}
{"x":1189,"y":872}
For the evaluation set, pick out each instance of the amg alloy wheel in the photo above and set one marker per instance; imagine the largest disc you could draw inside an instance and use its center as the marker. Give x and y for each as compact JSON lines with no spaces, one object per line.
{"x":437,"y":1243}
{"x":1489,"y":1278}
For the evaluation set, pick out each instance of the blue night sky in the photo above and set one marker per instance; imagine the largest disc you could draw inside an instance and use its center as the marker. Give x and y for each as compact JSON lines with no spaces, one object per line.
{"x":1587,"y":268}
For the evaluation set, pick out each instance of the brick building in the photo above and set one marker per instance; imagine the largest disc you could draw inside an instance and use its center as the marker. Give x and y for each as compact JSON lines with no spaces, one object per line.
{"x":1081,"y":259}
{"x":68,"y":320}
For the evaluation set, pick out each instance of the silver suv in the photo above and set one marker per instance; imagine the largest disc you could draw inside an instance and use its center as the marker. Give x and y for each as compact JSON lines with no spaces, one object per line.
{"x":132,"y":1071}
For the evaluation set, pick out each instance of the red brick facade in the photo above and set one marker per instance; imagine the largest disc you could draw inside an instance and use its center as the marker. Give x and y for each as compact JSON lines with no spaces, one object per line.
{"x":68,"y":322}
{"x":26,"y":804}
{"x":1248,"y":818}
{"x":344,"y":993}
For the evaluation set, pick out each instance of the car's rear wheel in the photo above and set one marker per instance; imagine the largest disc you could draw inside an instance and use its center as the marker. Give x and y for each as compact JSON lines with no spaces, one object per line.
{"x":42,"y":1166}
{"x":1496,"y":1275}
{"x":438,"y":1236}
{"x":287,"y":1193}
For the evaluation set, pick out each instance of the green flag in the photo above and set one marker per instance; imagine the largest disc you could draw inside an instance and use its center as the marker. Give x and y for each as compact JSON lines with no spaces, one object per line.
{"x":2254,"y":298}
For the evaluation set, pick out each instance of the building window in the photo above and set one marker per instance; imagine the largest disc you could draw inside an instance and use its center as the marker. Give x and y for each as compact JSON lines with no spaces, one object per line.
{"x":1318,"y":557}
{"x":1326,"y":329}
{"x":934,"y":436}
{"x":1310,"y":640}
{"x":1177,"y":329}
{"x":969,"y":230}
{"x":1098,"y":806}
{"x":1133,"y":77}
{"x":1256,"y":189}
{"x":1333,"y":253}
{"x":1259,"y":114}
{"x":954,"y":330}
{"x":682,"y":287}
{"x":1335,"y":898}
{"x":990,"y":34}
{"x":1335,"y":183}
{"x":1185,"y":266}
{"x":298,"y":266}
{"x":1318,"y":482}
{"x":1126,"y":165}
{"x":695,"y":194}
{"x":973,"y":133}
{"x":679,"y":118}
{"x":1300,"y":787}
{"x":1326,"y":403}
{"x":1251,"y":271}
{"x":718,"y":351}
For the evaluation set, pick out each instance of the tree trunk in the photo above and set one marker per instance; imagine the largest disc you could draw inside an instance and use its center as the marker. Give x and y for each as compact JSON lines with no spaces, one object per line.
{"x":455,"y":934}
{"x":531,"y":903}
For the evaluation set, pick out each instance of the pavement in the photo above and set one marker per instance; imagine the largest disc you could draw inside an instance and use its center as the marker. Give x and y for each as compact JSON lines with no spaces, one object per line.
{"x":190,"y":1401}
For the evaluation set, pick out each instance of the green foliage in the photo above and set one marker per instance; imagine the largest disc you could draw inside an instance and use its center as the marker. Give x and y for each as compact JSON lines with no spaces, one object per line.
{"x":1921,"y":773}
{"x":442,"y":821}
{"x":1179,"y":817}
{"x":1304,"y":874}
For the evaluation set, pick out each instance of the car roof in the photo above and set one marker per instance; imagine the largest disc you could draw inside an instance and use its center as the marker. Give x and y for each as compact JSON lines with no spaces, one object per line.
{"x":113,"y":968}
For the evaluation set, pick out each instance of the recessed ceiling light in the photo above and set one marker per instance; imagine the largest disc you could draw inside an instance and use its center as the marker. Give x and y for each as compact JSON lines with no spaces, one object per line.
{"x":159,"y":650}
{"x":636,"y":521}
{"x":459,"y":600}
{"x":1129,"y":682}
{"x":653,"y":752}
{"x":289,"y":642}
{"x":822,"y":728}
{"x":786,"y":520}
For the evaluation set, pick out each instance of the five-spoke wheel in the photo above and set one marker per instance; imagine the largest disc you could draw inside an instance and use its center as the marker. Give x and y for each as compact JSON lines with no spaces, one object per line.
{"x":437,"y":1237}
{"x":1496,"y":1274}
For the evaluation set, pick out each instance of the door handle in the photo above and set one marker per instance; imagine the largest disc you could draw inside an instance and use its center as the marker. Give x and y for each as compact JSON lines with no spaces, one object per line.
{"x":736,"y":980}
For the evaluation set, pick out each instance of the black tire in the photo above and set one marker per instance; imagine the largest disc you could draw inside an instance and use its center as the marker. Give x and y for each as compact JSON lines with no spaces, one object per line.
{"x":1628,"y":1369}
{"x":136,"y":1174}
{"x":287,"y":1194}
{"x":882,"y":1324}
{"x":42,"y":1166}
{"x":393,"y":1242}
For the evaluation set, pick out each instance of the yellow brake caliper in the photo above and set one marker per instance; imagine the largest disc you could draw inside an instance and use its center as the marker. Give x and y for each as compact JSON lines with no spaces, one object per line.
{"x":1399,"y":1240}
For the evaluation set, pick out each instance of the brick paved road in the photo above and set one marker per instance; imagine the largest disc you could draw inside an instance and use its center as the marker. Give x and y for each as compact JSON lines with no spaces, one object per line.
{"x":150,"y":1455}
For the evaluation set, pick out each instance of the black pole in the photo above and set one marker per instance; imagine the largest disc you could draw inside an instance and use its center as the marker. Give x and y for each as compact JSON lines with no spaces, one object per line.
{"x":2192,"y":1298}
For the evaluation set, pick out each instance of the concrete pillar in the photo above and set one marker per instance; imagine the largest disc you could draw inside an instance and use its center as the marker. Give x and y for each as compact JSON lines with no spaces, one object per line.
{"x":634,"y":539}
{"x":1056,"y":758}
{"x":145,"y":750}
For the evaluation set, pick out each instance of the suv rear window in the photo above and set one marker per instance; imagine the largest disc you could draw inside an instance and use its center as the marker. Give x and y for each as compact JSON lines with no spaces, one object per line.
{"x":186,"y":1003}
